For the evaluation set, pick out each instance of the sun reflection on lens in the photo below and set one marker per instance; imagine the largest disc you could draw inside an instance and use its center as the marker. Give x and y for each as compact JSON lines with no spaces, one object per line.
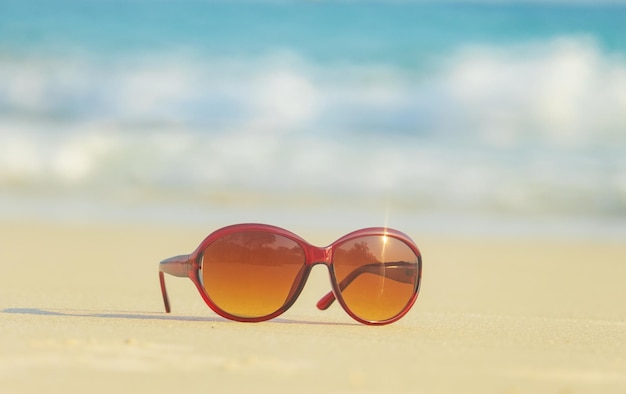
{"x":383,"y":249}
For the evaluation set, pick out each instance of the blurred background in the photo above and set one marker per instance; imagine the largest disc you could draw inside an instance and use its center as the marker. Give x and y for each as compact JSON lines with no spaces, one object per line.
{"x":464,"y":116}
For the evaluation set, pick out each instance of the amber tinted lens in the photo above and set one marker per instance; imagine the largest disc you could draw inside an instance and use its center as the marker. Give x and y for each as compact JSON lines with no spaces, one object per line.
{"x":377,"y":276}
{"x":252,"y":274}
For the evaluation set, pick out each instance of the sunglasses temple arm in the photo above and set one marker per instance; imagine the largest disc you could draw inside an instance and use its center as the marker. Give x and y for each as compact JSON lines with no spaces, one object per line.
{"x":400,"y":271}
{"x":326,"y":301}
{"x":177,"y":266}
{"x":166,"y":300}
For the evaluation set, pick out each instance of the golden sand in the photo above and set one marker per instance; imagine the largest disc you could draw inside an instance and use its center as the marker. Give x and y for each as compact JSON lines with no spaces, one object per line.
{"x":81,"y":311}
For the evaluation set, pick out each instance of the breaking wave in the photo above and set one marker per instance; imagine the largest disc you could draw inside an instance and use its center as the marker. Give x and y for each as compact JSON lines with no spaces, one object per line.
{"x":532,"y":127}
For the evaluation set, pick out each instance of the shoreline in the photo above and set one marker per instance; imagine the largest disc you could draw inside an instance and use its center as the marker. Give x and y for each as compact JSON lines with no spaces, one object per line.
{"x":317,"y":218}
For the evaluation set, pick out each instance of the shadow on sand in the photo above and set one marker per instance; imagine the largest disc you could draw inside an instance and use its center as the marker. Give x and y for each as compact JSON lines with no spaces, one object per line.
{"x":150,"y":316}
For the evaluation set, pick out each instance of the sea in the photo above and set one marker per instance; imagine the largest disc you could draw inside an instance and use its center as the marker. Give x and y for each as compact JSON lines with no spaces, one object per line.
{"x":444,"y":116}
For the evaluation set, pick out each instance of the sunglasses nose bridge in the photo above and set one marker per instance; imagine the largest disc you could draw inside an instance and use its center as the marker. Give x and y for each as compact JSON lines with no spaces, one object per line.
{"x":319,"y":256}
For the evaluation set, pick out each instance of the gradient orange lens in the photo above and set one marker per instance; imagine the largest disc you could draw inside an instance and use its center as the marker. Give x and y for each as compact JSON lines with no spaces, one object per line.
{"x":252,"y":273}
{"x":377,"y":276}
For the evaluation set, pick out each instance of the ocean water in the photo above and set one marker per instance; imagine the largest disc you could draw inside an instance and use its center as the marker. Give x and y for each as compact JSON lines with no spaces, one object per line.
{"x":327,"y":110}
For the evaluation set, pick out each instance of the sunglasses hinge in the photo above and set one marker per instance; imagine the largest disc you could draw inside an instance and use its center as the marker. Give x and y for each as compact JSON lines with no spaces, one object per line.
{"x":176,"y":266}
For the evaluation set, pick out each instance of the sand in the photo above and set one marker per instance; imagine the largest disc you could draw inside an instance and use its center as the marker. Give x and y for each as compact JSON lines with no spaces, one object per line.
{"x":81,"y":311}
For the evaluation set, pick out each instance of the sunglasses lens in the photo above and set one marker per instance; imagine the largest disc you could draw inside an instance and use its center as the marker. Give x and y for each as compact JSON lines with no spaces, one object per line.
{"x":377,"y":276}
{"x":252,"y":274}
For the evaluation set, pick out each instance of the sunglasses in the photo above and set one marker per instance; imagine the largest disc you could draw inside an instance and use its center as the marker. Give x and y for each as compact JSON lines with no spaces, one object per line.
{"x":255,"y":272}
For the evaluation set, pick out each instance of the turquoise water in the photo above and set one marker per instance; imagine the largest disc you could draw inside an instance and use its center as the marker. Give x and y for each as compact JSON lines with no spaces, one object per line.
{"x":447,"y":108}
{"x":325,"y":31}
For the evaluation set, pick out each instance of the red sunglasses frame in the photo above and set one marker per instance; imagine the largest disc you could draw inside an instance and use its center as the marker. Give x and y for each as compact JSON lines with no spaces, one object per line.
{"x":189,"y":266}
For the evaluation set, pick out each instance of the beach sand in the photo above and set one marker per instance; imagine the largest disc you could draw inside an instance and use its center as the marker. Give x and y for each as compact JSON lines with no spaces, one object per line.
{"x":81,"y":311}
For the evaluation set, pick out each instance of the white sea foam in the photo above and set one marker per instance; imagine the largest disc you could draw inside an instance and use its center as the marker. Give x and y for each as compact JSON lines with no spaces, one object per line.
{"x":539,"y":126}
{"x":566,"y":92}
